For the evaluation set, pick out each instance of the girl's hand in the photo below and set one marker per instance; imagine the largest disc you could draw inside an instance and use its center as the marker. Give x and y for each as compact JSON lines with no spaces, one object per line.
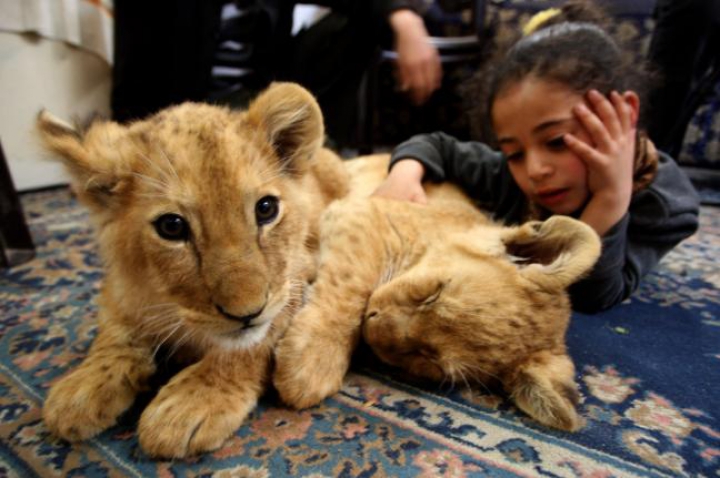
{"x":404,"y":182}
{"x":611,"y":156}
{"x":611,"y":125}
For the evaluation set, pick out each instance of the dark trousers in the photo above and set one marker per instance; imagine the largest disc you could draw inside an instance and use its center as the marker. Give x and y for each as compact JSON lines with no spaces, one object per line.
{"x":163,"y":54}
{"x":330,"y":59}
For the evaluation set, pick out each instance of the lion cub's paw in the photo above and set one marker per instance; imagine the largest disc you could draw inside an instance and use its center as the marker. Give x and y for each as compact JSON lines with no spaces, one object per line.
{"x":89,"y":400}
{"x":189,"y":416}
{"x":309,"y":369}
{"x":543,"y":386}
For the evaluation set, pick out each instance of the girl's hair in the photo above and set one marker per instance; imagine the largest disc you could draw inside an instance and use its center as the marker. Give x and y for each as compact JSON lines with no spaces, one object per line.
{"x":571,"y":48}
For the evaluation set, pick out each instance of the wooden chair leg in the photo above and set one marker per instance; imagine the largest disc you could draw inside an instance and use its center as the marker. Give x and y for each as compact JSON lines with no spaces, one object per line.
{"x":16,"y":245}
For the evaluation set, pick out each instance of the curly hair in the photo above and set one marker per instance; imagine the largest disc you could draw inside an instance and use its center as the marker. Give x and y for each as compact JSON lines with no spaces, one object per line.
{"x":572,"y":48}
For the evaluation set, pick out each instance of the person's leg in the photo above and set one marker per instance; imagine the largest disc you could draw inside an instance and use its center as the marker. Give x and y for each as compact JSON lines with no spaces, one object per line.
{"x":163,"y":54}
{"x":330,"y":59}
{"x":676,"y":50}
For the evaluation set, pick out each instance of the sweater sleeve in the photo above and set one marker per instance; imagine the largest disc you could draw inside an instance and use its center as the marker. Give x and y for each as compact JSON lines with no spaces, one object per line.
{"x":658,"y":219}
{"x":480,"y":171}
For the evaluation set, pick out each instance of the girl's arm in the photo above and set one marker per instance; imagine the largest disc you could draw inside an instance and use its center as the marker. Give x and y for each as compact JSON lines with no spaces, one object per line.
{"x":637,"y":231}
{"x":404,"y":182}
{"x":659,"y":218}
{"x":473,"y":166}
{"x":610,"y":158}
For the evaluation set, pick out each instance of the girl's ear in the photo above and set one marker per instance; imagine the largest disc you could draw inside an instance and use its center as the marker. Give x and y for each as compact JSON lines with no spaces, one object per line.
{"x":633,"y":100}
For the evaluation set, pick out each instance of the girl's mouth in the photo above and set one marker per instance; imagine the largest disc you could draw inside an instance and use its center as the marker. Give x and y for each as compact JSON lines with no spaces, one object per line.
{"x":552,"y":197}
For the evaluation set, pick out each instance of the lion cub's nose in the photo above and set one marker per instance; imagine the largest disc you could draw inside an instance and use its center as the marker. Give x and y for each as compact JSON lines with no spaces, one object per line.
{"x":245,"y":319}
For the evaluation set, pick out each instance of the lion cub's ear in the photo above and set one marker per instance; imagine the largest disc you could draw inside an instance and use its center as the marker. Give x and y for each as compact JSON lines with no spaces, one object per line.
{"x":544,"y":387}
{"x":292,"y":122}
{"x":555,"y":253}
{"x":95,"y":164}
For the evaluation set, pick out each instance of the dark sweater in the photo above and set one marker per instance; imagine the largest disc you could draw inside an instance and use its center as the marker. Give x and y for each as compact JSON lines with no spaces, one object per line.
{"x":659,"y":216}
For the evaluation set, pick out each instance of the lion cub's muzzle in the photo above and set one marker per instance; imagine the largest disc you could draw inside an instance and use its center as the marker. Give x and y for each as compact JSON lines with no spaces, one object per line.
{"x":239,"y":292}
{"x":246,"y":320}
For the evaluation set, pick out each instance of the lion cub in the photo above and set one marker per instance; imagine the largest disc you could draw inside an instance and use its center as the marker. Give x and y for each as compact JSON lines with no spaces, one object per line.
{"x":443,"y":293}
{"x":207,"y":224}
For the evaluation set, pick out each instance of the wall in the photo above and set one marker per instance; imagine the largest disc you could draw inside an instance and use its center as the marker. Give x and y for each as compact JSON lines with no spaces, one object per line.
{"x":37,"y":73}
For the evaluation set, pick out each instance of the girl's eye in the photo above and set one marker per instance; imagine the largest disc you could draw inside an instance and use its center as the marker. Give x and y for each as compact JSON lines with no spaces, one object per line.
{"x":514,"y":156}
{"x":266,"y":210}
{"x":172,"y":227}
{"x":556,"y":143}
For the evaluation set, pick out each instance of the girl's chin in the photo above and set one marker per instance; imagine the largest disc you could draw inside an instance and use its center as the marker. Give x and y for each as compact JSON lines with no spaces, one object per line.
{"x":565,"y":202}
{"x":567,"y":208}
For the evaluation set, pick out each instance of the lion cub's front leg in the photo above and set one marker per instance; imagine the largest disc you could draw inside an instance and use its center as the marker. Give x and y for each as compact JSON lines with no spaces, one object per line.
{"x":93,"y":396}
{"x":205,"y":404}
{"x":313,"y":356}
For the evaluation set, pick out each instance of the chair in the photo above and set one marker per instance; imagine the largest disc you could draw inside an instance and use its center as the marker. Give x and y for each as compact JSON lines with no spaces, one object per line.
{"x":453,"y":50}
{"x":238,"y":72}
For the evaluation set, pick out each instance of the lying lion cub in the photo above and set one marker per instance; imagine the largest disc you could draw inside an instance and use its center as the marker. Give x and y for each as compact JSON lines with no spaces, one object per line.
{"x":441,"y":292}
{"x":207,"y":223}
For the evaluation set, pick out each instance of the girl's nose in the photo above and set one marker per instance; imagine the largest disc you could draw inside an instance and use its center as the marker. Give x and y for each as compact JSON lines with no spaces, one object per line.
{"x":537,"y":167}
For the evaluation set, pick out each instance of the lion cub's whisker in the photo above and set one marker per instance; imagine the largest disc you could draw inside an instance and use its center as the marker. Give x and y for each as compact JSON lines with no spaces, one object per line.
{"x":157,"y":306}
{"x":152,"y":182}
{"x":168,"y":162}
{"x":152,"y":164}
{"x":469,"y":367}
{"x":180,"y":342}
{"x":165,"y":339}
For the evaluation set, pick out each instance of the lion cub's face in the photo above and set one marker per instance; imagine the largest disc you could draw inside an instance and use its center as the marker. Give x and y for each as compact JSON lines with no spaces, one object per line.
{"x":474,"y":321}
{"x":470,"y":312}
{"x":201,"y":212}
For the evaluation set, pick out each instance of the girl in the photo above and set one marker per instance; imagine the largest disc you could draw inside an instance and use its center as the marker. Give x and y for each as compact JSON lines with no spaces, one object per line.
{"x":564,"y":113}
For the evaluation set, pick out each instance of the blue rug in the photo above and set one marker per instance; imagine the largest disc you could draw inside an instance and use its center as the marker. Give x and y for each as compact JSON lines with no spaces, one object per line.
{"x":649,"y":371}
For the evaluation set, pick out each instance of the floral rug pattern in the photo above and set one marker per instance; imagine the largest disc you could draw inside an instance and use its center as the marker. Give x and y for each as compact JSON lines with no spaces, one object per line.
{"x":649,"y":371}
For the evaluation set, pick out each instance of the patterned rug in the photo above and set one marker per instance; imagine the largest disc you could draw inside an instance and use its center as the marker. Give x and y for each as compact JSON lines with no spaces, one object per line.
{"x":649,"y":370}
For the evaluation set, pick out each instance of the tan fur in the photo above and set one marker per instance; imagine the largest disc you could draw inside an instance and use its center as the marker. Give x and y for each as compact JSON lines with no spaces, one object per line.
{"x":437,"y":290}
{"x":211,"y":166}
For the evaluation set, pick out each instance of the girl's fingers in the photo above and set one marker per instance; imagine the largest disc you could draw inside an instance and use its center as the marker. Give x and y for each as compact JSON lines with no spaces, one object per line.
{"x":623,"y":109}
{"x":586,"y":152}
{"x":594,"y":126}
{"x":606,"y":111}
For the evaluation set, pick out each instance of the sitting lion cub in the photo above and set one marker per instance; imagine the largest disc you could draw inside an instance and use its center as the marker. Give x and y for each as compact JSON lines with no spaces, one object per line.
{"x":207,"y":223}
{"x":441,"y":292}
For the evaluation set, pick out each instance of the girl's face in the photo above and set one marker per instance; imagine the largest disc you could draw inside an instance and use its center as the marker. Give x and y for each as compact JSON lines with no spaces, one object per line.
{"x":530,"y":118}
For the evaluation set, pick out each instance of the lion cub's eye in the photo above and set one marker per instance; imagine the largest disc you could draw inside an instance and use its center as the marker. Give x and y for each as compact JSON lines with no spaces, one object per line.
{"x":433,"y":297}
{"x":172,"y":227}
{"x":266,"y":210}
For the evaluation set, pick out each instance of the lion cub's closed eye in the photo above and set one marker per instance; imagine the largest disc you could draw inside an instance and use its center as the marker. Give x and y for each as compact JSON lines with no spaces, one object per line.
{"x":207,"y":222}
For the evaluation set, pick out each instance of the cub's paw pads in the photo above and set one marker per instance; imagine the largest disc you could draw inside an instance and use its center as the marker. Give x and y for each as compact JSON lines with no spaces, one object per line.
{"x":86,"y":402}
{"x":186,"y":421}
